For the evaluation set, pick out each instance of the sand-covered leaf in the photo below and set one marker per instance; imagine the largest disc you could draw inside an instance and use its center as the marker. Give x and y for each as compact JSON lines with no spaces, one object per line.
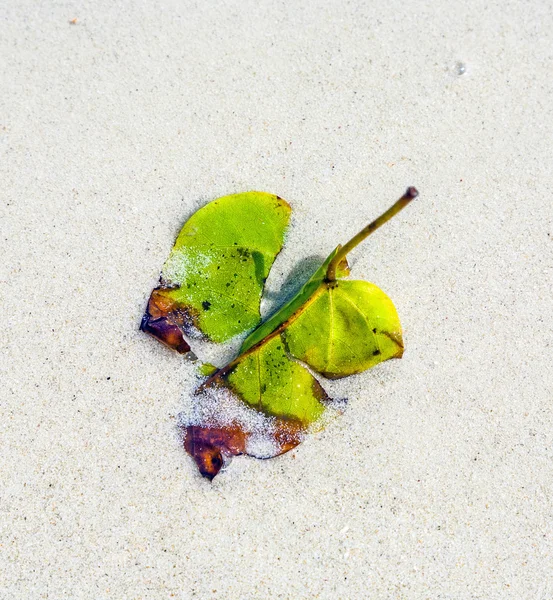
{"x":261,"y":404}
{"x":212,"y":282}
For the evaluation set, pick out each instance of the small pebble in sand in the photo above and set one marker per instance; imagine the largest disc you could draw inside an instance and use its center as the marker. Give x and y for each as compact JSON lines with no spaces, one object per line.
{"x":460,"y":68}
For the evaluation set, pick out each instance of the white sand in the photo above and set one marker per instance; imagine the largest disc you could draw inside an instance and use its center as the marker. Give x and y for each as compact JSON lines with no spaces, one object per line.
{"x":438,"y":480}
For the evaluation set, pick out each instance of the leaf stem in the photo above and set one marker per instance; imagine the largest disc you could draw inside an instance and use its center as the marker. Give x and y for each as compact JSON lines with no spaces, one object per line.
{"x":409,"y":195}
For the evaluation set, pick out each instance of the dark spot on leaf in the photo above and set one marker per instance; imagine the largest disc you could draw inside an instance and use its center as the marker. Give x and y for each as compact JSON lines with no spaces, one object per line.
{"x":376,"y":352}
{"x":206,"y":305}
{"x":374,"y":330}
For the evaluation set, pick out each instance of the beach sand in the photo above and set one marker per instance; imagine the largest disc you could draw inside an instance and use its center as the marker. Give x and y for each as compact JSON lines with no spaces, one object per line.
{"x":437,"y":482}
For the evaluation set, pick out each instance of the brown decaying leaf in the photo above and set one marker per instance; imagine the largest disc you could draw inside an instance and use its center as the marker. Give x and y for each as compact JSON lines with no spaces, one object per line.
{"x":213,"y":447}
{"x":167,"y":322}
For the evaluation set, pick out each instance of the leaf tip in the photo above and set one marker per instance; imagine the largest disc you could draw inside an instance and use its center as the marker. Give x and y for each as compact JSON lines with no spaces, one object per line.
{"x":284,"y":203}
{"x":166,"y":332}
{"x":212,"y":447}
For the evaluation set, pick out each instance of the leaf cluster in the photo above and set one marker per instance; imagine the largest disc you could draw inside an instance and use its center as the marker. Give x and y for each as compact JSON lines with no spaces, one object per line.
{"x":269,"y":396}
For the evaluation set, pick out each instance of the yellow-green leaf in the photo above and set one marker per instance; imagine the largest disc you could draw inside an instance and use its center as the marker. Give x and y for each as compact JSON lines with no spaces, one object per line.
{"x":212,"y":282}
{"x":345,"y":328}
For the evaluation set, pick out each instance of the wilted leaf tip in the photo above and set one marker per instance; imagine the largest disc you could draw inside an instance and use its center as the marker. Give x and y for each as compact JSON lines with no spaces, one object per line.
{"x":210,"y":447}
{"x":169,"y":321}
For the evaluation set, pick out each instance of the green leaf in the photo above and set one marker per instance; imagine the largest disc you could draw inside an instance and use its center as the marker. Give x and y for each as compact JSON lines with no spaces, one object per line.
{"x":206,"y":369}
{"x":267,"y":380}
{"x":345,"y":328}
{"x":212,"y":282}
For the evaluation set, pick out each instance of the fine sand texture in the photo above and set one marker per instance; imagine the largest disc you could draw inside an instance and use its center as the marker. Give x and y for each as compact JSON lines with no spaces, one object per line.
{"x":117,"y":121}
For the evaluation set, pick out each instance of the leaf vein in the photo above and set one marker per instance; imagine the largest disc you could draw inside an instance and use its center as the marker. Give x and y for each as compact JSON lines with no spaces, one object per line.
{"x":351,"y":303}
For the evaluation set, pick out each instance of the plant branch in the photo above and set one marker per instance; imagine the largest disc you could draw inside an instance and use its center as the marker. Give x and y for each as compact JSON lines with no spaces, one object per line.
{"x":409,"y":195}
